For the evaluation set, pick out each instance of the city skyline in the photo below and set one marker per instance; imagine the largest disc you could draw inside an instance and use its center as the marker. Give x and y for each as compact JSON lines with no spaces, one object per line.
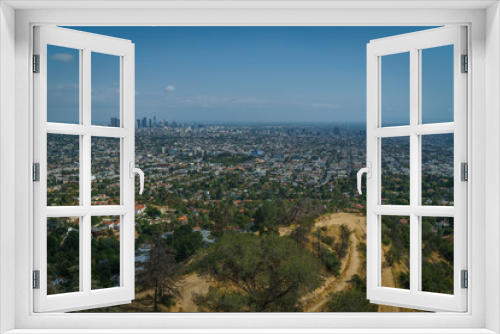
{"x":145,"y":122}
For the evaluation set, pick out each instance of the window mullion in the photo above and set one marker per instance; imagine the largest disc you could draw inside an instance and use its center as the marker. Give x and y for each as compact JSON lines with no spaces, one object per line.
{"x":395,"y":131}
{"x":392,"y":210}
{"x":66,"y":129}
{"x":82,"y":229}
{"x":85,"y":249}
{"x":414,"y":170}
{"x":86,"y":161}
{"x":101,"y":131}
{"x":109,"y":210}
{"x":434,"y":129}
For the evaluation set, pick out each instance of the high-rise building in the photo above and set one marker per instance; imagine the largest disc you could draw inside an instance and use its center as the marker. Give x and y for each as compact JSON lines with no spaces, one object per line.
{"x":150,"y":123}
{"x":138,"y":123}
{"x":144,"y":122}
{"x":115,"y":122}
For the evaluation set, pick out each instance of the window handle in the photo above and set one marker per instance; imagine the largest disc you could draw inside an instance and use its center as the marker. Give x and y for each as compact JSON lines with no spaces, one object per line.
{"x":368,"y":171}
{"x":135,"y":170}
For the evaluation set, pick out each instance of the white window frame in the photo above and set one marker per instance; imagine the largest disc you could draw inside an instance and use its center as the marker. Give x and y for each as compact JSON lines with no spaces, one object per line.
{"x":86,"y":44}
{"x":483,"y":101}
{"x":414,"y":43}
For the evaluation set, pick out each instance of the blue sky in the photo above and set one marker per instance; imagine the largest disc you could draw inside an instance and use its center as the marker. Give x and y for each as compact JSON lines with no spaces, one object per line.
{"x":251,"y":74}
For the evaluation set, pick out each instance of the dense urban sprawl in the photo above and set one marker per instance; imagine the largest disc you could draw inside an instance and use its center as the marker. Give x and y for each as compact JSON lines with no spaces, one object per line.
{"x":214,"y":187}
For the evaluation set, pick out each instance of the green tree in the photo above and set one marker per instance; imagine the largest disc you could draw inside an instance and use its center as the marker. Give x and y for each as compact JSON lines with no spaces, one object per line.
{"x":185,"y":242}
{"x":342,"y":246}
{"x":105,"y":262}
{"x":161,"y":273}
{"x":301,"y":234}
{"x":267,"y":274}
{"x":152,"y":212}
{"x":267,"y":218}
{"x":330,"y":260}
{"x":298,"y":211}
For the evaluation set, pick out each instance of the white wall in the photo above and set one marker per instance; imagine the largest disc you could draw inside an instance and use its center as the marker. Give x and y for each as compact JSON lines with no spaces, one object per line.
{"x":7,"y":162}
{"x":492,"y":146}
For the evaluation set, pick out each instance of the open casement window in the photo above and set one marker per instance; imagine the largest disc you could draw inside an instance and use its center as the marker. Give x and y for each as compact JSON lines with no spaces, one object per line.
{"x":410,"y":160}
{"x":75,"y":266}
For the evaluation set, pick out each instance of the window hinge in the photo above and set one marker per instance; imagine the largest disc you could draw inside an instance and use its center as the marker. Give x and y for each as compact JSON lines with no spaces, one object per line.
{"x":36,"y":172}
{"x":464,"y":172}
{"x":465,"y":279}
{"x":465,"y":64}
{"x":36,"y":279}
{"x":36,"y":63}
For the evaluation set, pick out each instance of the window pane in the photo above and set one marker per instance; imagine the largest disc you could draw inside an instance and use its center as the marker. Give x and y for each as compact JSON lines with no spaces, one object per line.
{"x":395,"y":232}
{"x":63,"y":85}
{"x":437,"y":254}
{"x":63,"y":170}
{"x":437,"y":84}
{"x":63,"y":255}
{"x":437,"y":169}
{"x":105,"y":251}
{"x":105,"y":89}
{"x":395,"y":89}
{"x":105,"y":171}
{"x":396,"y":171}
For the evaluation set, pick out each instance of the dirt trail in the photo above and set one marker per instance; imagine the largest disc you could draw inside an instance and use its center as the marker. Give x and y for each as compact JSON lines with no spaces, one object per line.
{"x":350,"y":266}
{"x":333,"y":284}
{"x":191,"y":283}
{"x":389,"y":280}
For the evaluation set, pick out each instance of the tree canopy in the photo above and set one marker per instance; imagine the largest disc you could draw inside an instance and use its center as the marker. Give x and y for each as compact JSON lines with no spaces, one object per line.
{"x":256,"y":274}
{"x":185,"y":242}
